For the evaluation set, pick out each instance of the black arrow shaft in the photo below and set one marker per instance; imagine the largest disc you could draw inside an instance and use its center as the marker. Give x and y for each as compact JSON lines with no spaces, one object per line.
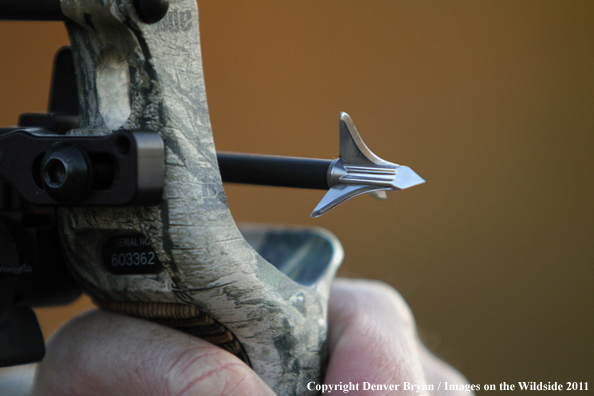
{"x":271,"y":170}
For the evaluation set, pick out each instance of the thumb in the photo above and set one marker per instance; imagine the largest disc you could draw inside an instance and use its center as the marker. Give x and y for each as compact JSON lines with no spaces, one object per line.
{"x":101,"y":353}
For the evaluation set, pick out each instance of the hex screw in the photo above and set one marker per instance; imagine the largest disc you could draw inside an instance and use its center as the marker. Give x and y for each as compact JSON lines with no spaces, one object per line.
{"x":65,"y":173}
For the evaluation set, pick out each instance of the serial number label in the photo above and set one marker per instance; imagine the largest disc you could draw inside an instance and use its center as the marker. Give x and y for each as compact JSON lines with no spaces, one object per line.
{"x":130,"y":254}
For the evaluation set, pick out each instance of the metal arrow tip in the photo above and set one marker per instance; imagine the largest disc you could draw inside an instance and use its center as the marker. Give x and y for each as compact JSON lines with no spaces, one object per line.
{"x":406,"y":177}
{"x":358,"y":171}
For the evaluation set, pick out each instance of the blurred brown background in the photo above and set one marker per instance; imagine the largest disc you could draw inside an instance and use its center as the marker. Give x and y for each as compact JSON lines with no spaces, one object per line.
{"x":492,"y":102}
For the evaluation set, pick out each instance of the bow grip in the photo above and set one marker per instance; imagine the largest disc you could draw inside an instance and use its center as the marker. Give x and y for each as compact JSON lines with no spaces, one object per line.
{"x":137,"y":75}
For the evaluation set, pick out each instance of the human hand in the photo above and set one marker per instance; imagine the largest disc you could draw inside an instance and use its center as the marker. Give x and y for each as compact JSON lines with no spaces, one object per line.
{"x":372,"y":338}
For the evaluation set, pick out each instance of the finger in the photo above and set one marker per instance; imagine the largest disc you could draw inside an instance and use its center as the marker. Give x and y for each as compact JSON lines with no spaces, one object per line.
{"x":372,"y":336}
{"x":101,"y":353}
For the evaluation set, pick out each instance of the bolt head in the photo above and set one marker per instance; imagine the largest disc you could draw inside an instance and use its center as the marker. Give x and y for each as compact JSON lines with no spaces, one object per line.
{"x":65,"y":173}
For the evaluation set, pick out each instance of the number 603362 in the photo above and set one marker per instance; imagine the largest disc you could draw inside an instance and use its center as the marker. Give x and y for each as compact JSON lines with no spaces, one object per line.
{"x":132,"y":258}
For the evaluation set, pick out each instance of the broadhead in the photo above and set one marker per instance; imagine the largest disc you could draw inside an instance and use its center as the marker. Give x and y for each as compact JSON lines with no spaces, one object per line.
{"x":359,"y":171}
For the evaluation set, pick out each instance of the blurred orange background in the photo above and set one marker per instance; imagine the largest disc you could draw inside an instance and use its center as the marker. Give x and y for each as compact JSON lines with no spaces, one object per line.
{"x":492,"y":102}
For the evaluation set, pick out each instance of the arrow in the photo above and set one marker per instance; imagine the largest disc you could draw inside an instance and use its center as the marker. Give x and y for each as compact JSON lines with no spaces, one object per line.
{"x":357,"y":171}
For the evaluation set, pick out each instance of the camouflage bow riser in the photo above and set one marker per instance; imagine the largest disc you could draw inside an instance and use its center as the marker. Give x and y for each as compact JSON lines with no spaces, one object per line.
{"x":138,"y":76}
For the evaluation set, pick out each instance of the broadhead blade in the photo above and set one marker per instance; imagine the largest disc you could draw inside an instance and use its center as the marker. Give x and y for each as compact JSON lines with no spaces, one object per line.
{"x":406,"y":177}
{"x":381,"y":194}
{"x":352,"y":148}
{"x":338,"y":194}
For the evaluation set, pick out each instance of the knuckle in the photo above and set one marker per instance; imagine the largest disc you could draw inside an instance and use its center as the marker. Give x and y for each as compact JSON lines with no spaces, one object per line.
{"x":364,"y":303}
{"x":206,"y":369}
{"x":388,"y":300}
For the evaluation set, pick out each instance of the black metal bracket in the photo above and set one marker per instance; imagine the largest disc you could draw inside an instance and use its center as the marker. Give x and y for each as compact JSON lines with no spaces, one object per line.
{"x":122,"y":168}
